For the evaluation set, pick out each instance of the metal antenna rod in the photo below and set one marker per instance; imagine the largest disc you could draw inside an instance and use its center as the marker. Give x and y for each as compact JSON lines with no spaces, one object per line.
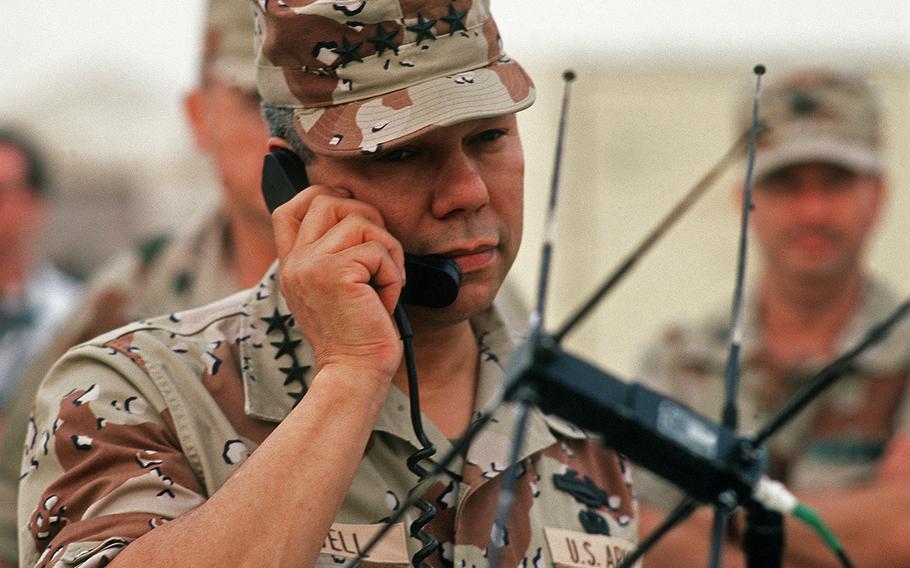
{"x":670,"y":219}
{"x":508,"y":481}
{"x":682,"y":511}
{"x":731,"y":374}
{"x":549,"y":233}
{"x":525,"y":397}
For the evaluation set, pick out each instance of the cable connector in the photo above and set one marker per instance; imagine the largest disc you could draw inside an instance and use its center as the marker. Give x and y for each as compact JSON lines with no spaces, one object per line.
{"x":774,"y":496}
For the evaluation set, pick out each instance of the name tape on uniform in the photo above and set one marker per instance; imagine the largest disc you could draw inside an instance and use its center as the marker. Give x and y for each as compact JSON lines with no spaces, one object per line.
{"x":347,"y":541}
{"x":582,"y":550}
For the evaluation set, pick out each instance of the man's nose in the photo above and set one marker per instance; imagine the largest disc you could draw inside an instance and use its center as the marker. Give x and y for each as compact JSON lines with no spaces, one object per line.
{"x":460,"y":188}
{"x":813,"y":202}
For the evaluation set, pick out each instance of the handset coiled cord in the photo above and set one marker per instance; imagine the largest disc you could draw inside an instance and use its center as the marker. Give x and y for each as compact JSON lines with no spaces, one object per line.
{"x":426,"y":450}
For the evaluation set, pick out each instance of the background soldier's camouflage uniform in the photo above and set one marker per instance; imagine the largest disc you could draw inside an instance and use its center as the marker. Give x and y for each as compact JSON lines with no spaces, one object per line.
{"x":163,"y":274}
{"x":168,"y":272}
{"x":837,"y":441}
{"x":168,"y":409}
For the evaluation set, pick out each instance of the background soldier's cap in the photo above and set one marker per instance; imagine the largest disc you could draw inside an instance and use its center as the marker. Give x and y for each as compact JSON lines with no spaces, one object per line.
{"x":361,"y":74}
{"x":228,"y":48}
{"x":817,"y":115}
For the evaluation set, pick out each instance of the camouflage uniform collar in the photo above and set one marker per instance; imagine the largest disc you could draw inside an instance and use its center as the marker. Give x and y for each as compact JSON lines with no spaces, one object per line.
{"x":278,"y":364}
{"x":877,"y":300}
{"x":276,"y":361}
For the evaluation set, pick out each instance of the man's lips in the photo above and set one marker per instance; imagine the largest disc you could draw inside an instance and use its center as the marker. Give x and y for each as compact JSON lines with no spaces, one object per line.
{"x":473,"y":258}
{"x":813,"y":240}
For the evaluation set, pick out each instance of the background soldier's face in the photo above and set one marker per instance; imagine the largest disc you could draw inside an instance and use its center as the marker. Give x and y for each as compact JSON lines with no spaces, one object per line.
{"x":227,"y":125}
{"x":813,"y":219}
{"x":22,"y":211}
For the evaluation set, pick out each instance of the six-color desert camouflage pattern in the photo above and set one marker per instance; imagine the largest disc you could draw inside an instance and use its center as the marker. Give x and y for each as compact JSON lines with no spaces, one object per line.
{"x":363,"y":74}
{"x":837,"y":441}
{"x":166,"y":410}
{"x":165,"y":273}
{"x":817,"y":114}
{"x":162,"y":275}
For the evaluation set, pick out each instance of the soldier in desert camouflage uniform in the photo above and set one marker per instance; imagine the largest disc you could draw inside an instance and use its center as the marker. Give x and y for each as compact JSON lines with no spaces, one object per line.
{"x":36,"y":297}
{"x":271,"y":427}
{"x":818,"y":194}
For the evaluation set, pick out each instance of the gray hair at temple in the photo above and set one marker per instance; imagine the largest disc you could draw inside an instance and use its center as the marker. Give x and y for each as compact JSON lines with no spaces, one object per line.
{"x":280,"y":121}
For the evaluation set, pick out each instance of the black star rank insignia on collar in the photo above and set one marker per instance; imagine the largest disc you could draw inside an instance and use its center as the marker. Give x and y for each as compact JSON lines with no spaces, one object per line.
{"x":276,"y":321}
{"x":423,"y":28}
{"x":383,"y":40}
{"x":297,"y":396}
{"x":348,"y":51}
{"x":455,"y":19}
{"x":286,"y":346}
{"x":294,"y":373}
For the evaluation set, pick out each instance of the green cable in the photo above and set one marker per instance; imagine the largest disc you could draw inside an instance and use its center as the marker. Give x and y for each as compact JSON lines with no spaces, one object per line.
{"x":807,"y":515}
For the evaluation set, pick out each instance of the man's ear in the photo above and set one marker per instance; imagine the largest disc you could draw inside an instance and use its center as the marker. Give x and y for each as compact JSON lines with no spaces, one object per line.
{"x":879,"y":197}
{"x":194,"y":105}
{"x":736,"y":195}
{"x":36,"y":214}
{"x":275,"y":143}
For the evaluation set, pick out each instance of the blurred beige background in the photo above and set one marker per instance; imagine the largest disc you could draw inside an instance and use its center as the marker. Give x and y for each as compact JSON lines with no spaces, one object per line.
{"x":100,"y":84}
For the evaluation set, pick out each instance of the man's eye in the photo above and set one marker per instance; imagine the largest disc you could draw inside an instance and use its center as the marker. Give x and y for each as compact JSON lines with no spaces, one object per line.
{"x":397,"y":155}
{"x":490,"y":135}
{"x":841,"y":182}
{"x":775,"y":187}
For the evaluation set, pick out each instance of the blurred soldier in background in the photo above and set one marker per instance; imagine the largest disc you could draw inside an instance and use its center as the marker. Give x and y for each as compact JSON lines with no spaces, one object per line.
{"x":35,"y":297}
{"x":227,"y":247}
{"x":230,"y":245}
{"x":819,"y":191}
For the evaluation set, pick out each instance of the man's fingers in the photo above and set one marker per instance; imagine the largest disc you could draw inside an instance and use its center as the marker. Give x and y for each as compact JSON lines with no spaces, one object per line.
{"x":287,"y":219}
{"x":387,"y":275}
{"x":354,"y":231}
{"x":344,"y":238}
{"x":383,"y":272}
{"x":326,"y":211}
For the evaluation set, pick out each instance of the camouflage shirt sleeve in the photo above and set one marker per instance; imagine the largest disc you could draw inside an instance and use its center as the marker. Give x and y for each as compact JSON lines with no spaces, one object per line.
{"x":98,"y":410}
{"x":657,"y":368}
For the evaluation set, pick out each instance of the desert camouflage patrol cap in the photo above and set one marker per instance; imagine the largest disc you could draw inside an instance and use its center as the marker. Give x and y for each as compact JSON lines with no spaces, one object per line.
{"x":817,"y":115}
{"x":228,"y":48}
{"x":361,"y":74}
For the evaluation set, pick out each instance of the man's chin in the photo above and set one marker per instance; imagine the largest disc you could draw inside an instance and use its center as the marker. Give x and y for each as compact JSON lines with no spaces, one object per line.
{"x":471,"y":301}
{"x":820,"y":272}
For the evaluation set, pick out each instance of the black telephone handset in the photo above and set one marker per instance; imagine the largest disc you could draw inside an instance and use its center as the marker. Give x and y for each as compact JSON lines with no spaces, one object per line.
{"x":432,"y":280}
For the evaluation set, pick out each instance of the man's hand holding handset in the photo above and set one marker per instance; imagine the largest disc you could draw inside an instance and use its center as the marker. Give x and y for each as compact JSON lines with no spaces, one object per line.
{"x":341,"y":273}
